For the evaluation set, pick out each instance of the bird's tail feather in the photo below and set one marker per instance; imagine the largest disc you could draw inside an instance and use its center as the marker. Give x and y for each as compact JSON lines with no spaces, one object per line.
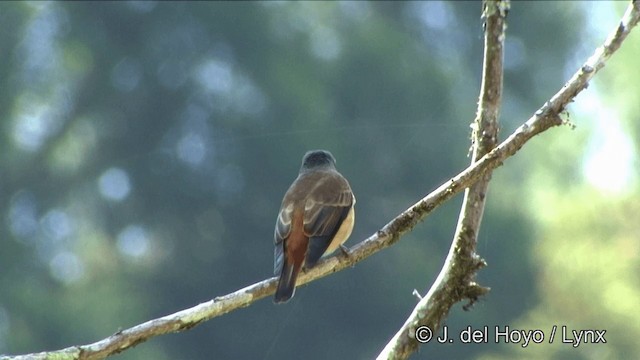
{"x":287,"y":283}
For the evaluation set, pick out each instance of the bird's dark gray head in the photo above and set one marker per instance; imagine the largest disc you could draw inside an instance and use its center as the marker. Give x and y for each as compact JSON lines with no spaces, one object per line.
{"x":317,"y":159}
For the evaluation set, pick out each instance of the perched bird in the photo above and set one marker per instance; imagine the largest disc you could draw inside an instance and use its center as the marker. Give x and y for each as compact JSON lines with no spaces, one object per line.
{"x":316,"y":217}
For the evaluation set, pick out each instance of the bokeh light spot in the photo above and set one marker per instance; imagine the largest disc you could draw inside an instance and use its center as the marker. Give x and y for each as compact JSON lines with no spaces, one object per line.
{"x":325,"y":43}
{"x":33,"y":127}
{"x":191,"y":148}
{"x":66,"y":267}
{"x":23,"y":219}
{"x":133,"y":241}
{"x":114,"y":184}
{"x":216,"y":76}
{"x":57,"y":225}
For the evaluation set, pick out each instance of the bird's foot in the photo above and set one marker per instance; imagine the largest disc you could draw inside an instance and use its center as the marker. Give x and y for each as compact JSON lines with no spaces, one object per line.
{"x":345,"y":250}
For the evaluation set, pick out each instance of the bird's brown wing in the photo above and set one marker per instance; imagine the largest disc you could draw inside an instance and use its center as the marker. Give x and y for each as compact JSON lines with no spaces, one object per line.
{"x":326,"y":207}
{"x":282,"y":230}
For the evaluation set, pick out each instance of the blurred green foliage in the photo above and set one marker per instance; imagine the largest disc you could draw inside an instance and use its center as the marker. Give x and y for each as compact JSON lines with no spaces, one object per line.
{"x":146,"y":147}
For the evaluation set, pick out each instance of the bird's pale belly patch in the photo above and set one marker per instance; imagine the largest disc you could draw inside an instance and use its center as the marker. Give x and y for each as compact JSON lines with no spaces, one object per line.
{"x":343,"y":233}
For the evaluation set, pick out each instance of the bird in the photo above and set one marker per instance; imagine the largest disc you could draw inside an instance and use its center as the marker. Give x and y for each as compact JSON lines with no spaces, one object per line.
{"x":315,"y":218}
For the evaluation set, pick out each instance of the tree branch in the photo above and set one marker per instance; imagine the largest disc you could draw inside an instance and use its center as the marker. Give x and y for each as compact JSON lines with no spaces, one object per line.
{"x":456,"y":279}
{"x":546,"y":117}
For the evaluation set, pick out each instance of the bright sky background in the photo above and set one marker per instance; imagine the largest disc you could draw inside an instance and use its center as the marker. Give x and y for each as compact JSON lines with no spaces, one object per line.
{"x":610,"y":158}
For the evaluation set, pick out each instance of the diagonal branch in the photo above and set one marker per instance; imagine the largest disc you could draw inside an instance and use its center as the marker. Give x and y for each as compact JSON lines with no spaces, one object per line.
{"x":546,"y":117}
{"x":456,"y":279}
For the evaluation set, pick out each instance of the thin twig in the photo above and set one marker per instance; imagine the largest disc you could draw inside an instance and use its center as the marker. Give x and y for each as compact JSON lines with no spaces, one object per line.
{"x":546,"y":117}
{"x":456,"y":280}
